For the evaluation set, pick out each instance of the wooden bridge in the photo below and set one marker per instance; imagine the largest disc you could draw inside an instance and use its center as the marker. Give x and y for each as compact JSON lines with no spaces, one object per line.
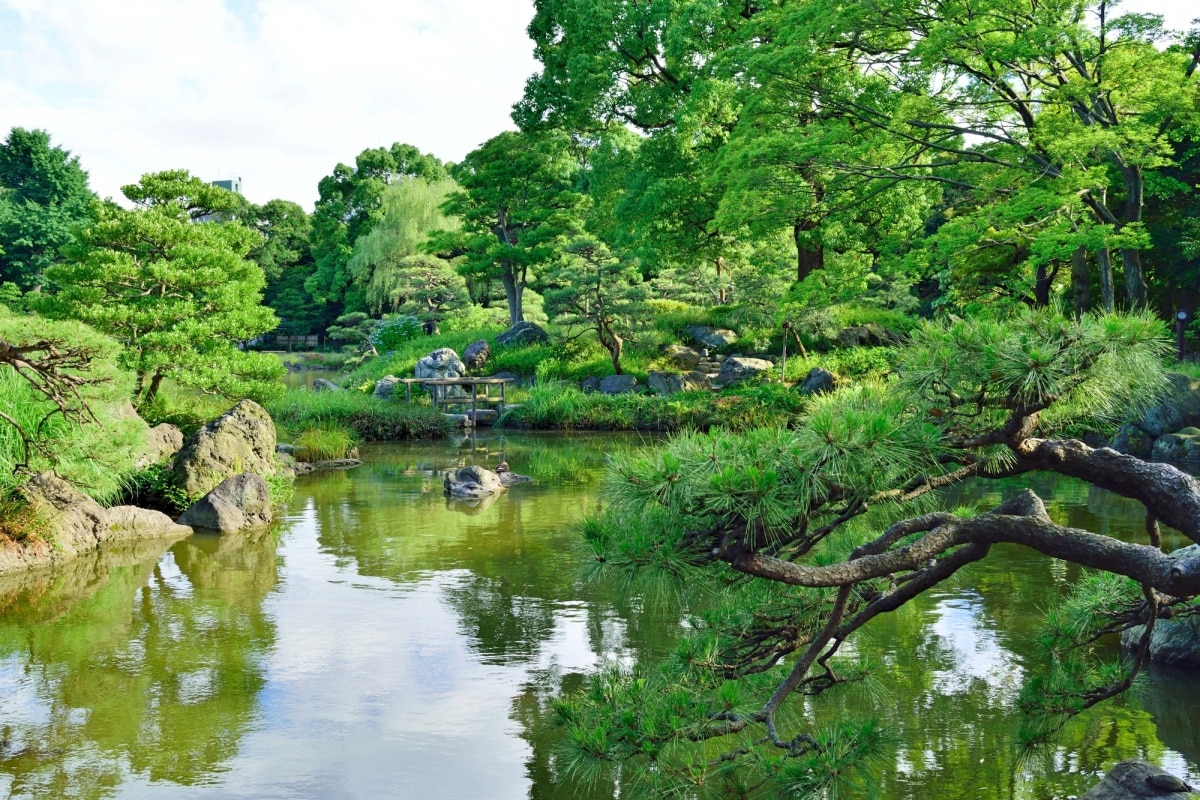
{"x":443,"y":397}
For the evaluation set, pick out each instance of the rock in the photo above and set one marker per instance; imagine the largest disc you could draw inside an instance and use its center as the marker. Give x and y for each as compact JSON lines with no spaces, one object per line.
{"x":1178,"y":407}
{"x":458,"y":420}
{"x":162,"y":442}
{"x":385,"y":387}
{"x":129,"y":522}
{"x":736,"y":370}
{"x":322,"y":385}
{"x":669,"y":383}
{"x":817,"y":381}
{"x":240,"y":440}
{"x":78,"y":522}
{"x":285,"y":449}
{"x":483,"y":416}
{"x":1176,"y":447}
{"x":617,"y":384}
{"x":1175,"y":642}
{"x":441,"y":364}
{"x":869,"y":335}
{"x":716,"y":338}
{"x":524,"y":332}
{"x":508,"y":478}
{"x":685,"y":357}
{"x":239,"y":503}
{"x":334,"y":463}
{"x":472,"y":483}
{"x":477,"y":354}
{"x":589,"y":385}
{"x":1134,"y":779}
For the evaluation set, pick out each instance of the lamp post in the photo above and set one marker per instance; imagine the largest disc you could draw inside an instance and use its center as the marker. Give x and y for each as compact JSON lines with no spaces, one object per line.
{"x":1180,"y":324}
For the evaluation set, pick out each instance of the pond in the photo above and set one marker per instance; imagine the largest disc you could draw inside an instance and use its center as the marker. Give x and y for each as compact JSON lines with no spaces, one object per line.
{"x":382,"y":641}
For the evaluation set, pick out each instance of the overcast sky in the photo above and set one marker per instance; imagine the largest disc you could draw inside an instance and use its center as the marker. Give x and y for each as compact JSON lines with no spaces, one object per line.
{"x":273,"y":91}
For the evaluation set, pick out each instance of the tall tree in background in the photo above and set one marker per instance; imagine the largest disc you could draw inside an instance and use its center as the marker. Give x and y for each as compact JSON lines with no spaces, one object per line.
{"x":178,"y":294}
{"x":349,"y":207}
{"x":518,"y":200}
{"x":286,"y":261}
{"x":43,"y":195}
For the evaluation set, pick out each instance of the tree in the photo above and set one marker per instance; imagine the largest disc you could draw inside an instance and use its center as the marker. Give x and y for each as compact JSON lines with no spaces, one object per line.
{"x":43,"y":195}
{"x":596,"y":290}
{"x":286,"y":262}
{"x":178,"y":294}
{"x":517,"y":201}
{"x":349,"y":207}
{"x":812,"y":533}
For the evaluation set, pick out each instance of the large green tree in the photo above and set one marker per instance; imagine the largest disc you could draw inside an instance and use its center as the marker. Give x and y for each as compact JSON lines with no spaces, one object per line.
{"x":517,"y":203}
{"x":286,"y":260}
{"x":43,"y":195}
{"x":349,"y":206}
{"x":179,"y":294}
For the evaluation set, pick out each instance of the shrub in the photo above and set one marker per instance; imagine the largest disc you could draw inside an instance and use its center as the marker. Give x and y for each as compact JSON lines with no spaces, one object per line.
{"x":21,"y":522}
{"x":155,"y":487}
{"x":323,"y":443}
{"x":371,"y":419}
{"x":388,"y":334}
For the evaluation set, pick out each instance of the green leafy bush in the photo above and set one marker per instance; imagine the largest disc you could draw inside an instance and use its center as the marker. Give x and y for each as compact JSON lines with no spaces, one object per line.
{"x":154,"y":487}
{"x":390,"y":333}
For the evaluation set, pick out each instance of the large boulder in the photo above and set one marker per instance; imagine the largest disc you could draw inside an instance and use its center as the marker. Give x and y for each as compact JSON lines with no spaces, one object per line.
{"x":1135,"y":779}
{"x":239,"y":503}
{"x":617,"y":384}
{"x":590,"y":385}
{"x":716,"y":338}
{"x":78,"y":523}
{"x":668,"y":383}
{"x":477,"y":354}
{"x":472,"y":483}
{"x":1177,"y":447}
{"x":240,"y":440}
{"x":524,"y":332}
{"x":685,"y":357}
{"x":736,"y":370}
{"x":162,"y":442}
{"x":817,"y":381}
{"x":131,"y":522}
{"x":441,"y":364}
{"x":322,"y":385}
{"x":385,"y":387}
{"x":1177,"y":407}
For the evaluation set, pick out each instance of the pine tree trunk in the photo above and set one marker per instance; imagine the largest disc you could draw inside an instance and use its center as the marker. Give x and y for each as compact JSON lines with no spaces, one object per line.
{"x":1080,"y":282}
{"x":1107,"y":299}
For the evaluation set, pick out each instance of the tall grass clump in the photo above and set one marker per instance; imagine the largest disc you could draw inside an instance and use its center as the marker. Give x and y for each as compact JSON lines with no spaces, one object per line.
{"x":96,"y":454}
{"x":324,"y":443}
{"x":371,"y":419}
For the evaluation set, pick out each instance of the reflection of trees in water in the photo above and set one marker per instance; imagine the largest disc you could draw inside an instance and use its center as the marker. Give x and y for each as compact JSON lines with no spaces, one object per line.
{"x":132,"y":663}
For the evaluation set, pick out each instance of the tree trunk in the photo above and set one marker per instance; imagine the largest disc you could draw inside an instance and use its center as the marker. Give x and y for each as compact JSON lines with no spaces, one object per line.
{"x":1106,"y":280}
{"x":152,"y":392}
{"x":1131,"y":259}
{"x":808,"y":258}
{"x":614,"y":344}
{"x":1080,"y":282}
{"x":1043,"y":282}
{"x":513,"y":291}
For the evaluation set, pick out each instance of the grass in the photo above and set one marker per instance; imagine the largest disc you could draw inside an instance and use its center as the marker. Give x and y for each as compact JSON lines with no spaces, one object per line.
{"x":567,"y":408}
{"x":370,"y":419}
{"x":324,"y":443}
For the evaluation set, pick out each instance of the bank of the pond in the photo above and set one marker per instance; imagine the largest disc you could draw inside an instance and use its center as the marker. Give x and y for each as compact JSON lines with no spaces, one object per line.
{"x":370,"y":418}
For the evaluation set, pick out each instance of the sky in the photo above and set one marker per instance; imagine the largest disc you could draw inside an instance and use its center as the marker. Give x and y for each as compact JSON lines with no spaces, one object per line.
{"x":276,"y":92}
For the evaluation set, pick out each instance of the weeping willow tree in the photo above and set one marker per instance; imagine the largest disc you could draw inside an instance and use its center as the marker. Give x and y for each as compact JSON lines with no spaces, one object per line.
{"x":388,"y":263}
{"x":813,"y":533}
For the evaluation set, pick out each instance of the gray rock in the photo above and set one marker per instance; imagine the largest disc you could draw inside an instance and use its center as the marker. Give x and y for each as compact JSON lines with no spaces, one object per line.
{"x":869,"y":335}
{"x":129,"y":522}
{"x":239,"y":503}
{"x":510,"y":376}
{"x":715,"y":338}
{"x":285,"y":449}
{"x":162,"y":442}
{"x":322,"y":385}
{"x":472,"y":483}
{"x":617,"y":384}
{"x":669,"y":383}
{"x":524,"y":332}
{"x":685,"y":357}
{"x":737,"y":370}
{"x":241,"y":440}
{"x":334,"y":464}
{"x":1134,"y":779}
{"x":817,"y":381}
{"x":1176,"y":447}
{"x":1175,"y":642}
{"x":459,"y":420}
{"x":590,"y":385}
{"x":1178,"y":407}
{"x":477,"y":354}
{"x":385,"y":387}
{"x":508,"y":479}
{"x":441,"y":364}
{"x":483,"y":416}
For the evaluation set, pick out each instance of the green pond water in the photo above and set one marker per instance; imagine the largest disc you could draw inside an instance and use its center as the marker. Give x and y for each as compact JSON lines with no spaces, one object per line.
{"x":383,"y":642}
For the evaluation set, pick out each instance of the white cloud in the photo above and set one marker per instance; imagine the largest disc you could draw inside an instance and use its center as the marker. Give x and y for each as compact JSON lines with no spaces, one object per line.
{"x":275,"y":91}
